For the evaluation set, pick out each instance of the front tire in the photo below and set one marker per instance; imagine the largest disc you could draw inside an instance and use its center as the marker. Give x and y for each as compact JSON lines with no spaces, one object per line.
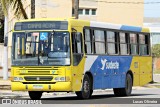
{"x":128,"y":87}
{"x":86,"y":89}
{"x":35,"y":95}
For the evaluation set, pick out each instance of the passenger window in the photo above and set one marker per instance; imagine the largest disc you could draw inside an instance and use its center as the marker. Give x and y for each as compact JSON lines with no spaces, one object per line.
{"x":99,"y":42}
{"x":88,"y":41}
{"x":133,"y":44}
{"x":143,"y":44}
{"x":123,"y":43}
{"x":112,"y":45}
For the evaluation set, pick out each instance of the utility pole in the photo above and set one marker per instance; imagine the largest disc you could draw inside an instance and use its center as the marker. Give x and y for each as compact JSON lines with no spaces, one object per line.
{"x":5,"y":56}
{"x":32,"y":9}
{"x":76,"y":8}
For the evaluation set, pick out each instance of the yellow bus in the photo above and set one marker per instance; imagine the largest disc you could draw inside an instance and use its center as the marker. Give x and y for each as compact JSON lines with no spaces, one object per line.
{"x":69,"y":55}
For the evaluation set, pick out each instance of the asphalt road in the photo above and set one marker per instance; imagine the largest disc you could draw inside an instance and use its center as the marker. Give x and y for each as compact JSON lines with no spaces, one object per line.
{"x":102,"y":97}
{"x":99,"y":99}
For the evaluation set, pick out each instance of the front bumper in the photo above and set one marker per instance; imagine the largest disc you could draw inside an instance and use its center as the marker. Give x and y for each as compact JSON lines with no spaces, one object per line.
{"x":58,"y":86}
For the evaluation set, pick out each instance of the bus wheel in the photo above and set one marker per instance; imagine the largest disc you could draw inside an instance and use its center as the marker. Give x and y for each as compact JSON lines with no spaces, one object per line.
{"x":35,"y":95}
{"x":128,"y":87}
{"x":86,"y":89}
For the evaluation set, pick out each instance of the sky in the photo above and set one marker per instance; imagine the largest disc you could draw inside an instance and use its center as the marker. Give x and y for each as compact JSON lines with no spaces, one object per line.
{"x":152,"y":10}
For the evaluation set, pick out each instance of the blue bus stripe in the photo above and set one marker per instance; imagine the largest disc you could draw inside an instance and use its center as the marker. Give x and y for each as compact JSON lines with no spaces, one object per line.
{"x":110,"y":71}
{"x":131,"y":28}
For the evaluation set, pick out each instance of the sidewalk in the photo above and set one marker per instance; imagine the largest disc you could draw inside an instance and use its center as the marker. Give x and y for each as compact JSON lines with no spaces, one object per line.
{"x":4,"y":84}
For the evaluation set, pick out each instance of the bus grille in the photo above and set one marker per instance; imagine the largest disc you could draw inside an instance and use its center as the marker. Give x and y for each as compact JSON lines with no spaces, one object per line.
{"x":38,"y":78}
{"x":39,"y":82}
{"x":40,"y":70}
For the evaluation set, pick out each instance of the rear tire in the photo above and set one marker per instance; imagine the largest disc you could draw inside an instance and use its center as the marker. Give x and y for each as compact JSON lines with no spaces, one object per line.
{"x":35,"y":95}
{"x":86,"y":89}
{"x":128,"y":87}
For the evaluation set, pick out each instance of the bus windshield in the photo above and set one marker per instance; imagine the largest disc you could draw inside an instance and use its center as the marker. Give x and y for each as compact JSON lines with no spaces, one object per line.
{"x":40,"y":48}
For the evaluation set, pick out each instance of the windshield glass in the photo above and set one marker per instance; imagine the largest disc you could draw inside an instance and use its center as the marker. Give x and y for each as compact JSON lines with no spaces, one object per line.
{"x":41,"y":48}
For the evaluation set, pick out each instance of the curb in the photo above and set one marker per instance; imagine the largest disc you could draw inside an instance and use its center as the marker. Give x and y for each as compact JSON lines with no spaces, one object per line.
{"x":5,"y":87}
{"x":156,"y":74}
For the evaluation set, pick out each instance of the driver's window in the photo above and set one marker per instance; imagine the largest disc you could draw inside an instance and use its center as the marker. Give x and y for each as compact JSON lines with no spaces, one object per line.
{"x":77,"y":48}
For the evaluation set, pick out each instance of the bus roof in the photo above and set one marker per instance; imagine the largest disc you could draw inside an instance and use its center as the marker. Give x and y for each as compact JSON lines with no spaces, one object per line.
{"x":118,"y":26}
{"x":95,"y":24}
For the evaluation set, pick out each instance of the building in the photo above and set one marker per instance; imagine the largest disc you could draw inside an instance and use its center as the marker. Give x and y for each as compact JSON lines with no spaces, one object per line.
{"x":129,"y":12}
{"x":154,"y":25}
{"x":113,"y":11}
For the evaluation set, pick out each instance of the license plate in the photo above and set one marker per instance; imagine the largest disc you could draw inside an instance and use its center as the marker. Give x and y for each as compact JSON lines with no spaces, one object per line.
{"x":37,"y":87}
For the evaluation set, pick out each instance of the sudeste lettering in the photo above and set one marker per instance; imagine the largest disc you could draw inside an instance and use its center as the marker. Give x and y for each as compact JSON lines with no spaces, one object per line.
{"x":109,"y":65}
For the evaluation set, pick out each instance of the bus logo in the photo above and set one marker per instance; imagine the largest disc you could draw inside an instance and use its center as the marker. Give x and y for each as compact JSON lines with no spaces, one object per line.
{"x":109,"y":65}
{"x":38,"y":78}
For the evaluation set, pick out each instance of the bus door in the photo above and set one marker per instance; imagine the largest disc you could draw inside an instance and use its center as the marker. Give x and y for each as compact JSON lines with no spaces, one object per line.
{"x":77,"y":60}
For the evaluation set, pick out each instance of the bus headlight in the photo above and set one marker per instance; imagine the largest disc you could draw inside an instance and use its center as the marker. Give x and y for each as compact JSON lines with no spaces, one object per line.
{"x":61,"y":79}
{"x":17,"y":79}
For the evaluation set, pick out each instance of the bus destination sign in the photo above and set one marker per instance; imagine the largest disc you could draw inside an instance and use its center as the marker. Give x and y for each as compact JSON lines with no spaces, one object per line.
{"x":39,"y":25}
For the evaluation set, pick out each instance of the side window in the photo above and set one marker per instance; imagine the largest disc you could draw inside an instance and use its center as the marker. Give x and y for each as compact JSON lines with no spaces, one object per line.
{"x":133,"y":44}
{"x":77,"y":48}
{"x":32,"y":40}
{"x":19,"y":52}
{"x":143,"y":44}
{"x":123,"y":43}
{"x":88,"y":41}
{"x":112,"y":43}
{"x":99,"y":40}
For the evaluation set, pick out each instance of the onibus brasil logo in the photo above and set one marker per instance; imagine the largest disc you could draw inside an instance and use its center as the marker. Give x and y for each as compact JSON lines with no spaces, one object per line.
{"x":109,"y":65}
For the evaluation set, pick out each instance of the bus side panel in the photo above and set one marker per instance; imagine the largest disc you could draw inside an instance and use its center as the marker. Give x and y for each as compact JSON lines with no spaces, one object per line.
{"x":141,"y":68}
{"x":145,"y":70}
{"x":108,"y":71}
{"x":77,"y":75}
{"x":135,"y":66}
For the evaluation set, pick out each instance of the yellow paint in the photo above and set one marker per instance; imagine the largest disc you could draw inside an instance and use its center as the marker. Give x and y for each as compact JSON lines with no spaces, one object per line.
{"x":141,"y":67}
{"x":135,"y":70}
{"x":59,"y":86}
{"x":145,"y":30}
{"x":78,"y":71}
{"x":23,"y":50}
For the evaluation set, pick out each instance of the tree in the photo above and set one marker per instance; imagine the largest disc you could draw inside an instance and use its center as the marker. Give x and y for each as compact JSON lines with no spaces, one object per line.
{"x":156,"y":51}
{"x":16,"y":5}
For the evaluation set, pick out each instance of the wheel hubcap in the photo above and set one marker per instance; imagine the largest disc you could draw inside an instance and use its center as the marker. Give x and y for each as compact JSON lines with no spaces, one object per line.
{"x":86,"y":86}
